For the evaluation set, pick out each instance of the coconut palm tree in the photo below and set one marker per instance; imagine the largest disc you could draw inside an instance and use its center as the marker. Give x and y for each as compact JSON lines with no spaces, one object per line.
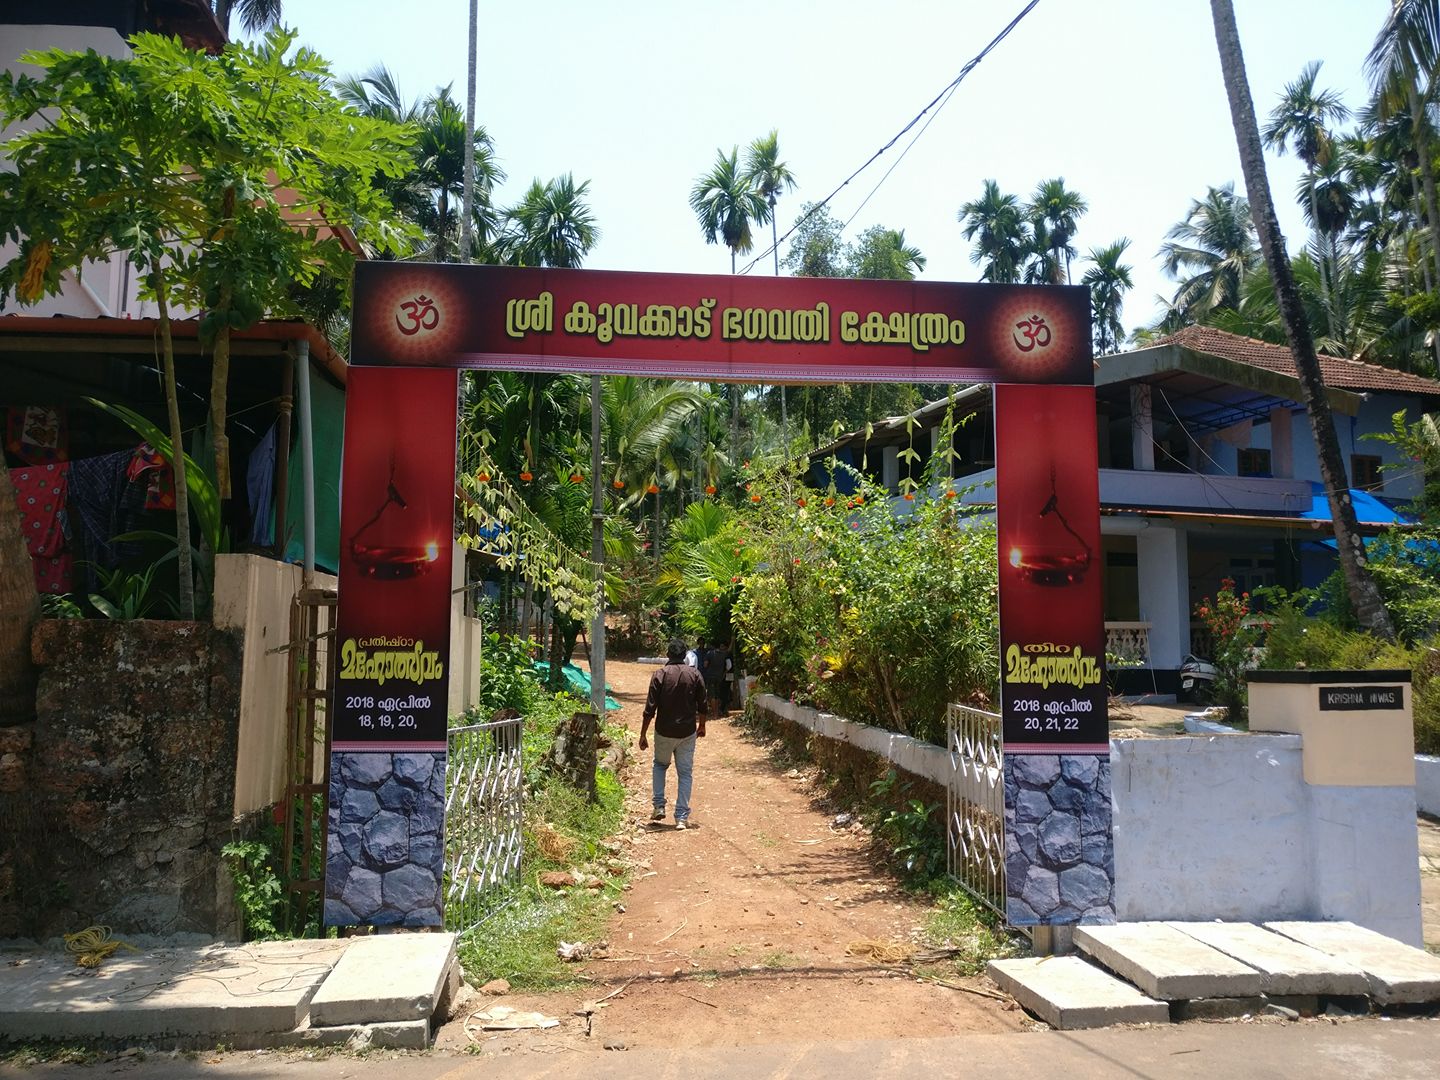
{"x":1059,"y":210}
{"x":1108,"y":280}
{"x":428,"y":195}
{"x":1364,"y":594}
{"x":726,"y":205}
{"x":996,"y":224}
{"x":254,"y":15}
{"x":1210,"y":252}
{"x":552,"y":225}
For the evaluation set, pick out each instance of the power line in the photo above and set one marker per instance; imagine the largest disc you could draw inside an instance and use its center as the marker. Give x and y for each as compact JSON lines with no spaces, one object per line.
{"x":940,"y":100}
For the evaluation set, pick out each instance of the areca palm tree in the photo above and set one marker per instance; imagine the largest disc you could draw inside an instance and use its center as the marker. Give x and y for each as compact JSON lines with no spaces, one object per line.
{"x":1108,"y":280}
{"x":770,"y":177}
{"x":996,"y":223}
{"x":727,"y":204}
{"x":1301,"y":120}
{"x":1210,"y":252}
{"x":1059,"y":210}
{"x":553,"y":224}
{"x":1403,"y":65}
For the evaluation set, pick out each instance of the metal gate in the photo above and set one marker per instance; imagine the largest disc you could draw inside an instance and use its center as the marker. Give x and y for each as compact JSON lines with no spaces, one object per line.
{"x":484,"y":807}
{"x":307,"y":763}
{"x":975,"y":804}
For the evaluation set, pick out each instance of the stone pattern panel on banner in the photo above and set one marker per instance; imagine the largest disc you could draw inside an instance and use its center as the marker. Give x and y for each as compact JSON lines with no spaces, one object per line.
{"x":386,"y":861}
{"x":1059,"y":857}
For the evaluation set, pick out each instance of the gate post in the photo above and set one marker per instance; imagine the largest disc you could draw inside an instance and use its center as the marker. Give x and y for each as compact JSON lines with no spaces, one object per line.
{"x":1059,"y":863}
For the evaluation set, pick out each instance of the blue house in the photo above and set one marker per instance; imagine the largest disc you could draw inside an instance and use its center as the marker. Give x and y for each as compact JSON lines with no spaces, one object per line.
{"x":1208,"y":471}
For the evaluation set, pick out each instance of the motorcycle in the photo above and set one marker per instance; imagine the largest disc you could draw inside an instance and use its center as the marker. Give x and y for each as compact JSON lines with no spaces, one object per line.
{"x":1197,"y":679}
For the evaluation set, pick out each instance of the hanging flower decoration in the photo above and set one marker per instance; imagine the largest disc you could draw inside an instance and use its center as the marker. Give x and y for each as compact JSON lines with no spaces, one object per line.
{"x":709,"y":489}
{"x":754,"y":498}
{"x":526,"y":476}
{"x":653,"y":489}
{"x":617,"y":484}
{"x":909,"y":496}
{"x":830,"y":500}
{"x":949,"y":493}
{"x":800,"y":503}
{"x":495,"y":520}
{"x":576,"y":478}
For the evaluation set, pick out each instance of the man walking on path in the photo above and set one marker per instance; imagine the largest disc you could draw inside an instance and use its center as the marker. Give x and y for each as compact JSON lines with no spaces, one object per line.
{"x":676,"y":702}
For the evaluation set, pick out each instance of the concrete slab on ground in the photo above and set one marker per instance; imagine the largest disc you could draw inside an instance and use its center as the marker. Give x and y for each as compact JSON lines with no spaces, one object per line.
{"x":385,"y":978}
{"x":1397,"y":973}
{"x":1165,"y":963}
{"x":1286,"y":966}
{"x":211,"y":993}
{"x":1069,"y":994}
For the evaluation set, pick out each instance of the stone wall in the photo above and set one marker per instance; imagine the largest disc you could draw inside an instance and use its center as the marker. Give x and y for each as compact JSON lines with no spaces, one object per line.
{"x":388,"y":812}
{"x":116,"y":800}
{"x":1060,"y":867}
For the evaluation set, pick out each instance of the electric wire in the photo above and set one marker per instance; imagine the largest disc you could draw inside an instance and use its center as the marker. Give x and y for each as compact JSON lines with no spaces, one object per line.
{"x":940,"y":100}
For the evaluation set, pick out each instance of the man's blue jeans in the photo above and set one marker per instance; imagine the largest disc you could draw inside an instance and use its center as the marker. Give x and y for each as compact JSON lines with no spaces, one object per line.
{"x":683,"y":751}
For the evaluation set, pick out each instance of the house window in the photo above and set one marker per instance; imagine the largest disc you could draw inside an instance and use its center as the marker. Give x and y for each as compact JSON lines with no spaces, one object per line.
{"x":1365,"y":472}
{"x":1253,"y":462}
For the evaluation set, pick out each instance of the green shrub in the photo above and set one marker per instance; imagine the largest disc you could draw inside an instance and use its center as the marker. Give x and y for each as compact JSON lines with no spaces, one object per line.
{"x":1296,"y":640}
{"x":507,"y":677}
{"x":882,"y":617}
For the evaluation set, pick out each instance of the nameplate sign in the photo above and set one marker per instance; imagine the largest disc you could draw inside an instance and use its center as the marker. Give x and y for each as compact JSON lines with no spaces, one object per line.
{"x":1334,"y":698}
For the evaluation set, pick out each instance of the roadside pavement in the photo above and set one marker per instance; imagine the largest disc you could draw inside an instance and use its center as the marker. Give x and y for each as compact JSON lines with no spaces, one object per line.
{"x":1398,"y":1049}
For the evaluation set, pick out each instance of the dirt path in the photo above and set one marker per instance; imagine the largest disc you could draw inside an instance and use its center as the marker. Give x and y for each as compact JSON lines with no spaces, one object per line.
{"x":741,"y":929}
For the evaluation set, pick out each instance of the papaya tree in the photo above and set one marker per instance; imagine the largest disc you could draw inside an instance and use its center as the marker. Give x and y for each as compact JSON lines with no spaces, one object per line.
{"x":208,"y":174}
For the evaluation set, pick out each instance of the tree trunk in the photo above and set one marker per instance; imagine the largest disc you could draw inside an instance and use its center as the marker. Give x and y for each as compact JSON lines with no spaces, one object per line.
{"x":1364,"y":596}
{"x":220,"y":370}
{"x":467,"y":222}
{"x":19,"y":608}
{"x":177,"y":450}
{"x":219,"y":388}
{"x":1323,"y":254}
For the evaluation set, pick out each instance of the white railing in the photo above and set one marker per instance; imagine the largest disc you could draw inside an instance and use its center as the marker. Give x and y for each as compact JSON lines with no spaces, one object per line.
{"x":1129,"y":641}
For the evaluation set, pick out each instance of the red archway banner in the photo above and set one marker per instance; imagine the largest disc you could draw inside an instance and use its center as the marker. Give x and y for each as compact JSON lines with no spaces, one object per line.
{"x":387,"y":792}
{"x":743,"y":329}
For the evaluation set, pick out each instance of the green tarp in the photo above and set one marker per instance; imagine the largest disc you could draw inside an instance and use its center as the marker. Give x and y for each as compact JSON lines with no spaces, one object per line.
{"x":327,"y":413}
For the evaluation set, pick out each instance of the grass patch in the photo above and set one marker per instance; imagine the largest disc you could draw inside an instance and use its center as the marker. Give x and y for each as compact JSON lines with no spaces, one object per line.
{"x":563,"y":831}
{"x":777,"y":960}
{"x":957,"y":922}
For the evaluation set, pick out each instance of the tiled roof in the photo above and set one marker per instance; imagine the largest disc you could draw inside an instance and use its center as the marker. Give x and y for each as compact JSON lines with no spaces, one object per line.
{"x":1339,"y":373}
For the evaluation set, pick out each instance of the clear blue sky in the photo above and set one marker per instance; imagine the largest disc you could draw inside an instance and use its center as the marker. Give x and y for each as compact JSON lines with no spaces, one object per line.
{"x":1122,"y":98}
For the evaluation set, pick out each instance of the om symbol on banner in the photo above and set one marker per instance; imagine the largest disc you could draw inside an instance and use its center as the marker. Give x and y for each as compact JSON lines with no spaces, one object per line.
{"x":420,"y":313}
{"x":1035,"y":332}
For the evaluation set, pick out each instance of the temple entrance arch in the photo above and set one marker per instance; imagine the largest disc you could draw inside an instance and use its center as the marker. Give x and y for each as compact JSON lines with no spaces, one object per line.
{"x":415,"y":325}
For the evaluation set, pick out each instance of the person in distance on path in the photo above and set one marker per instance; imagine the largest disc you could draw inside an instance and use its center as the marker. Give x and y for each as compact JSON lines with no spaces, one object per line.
{"x":676,"y":702}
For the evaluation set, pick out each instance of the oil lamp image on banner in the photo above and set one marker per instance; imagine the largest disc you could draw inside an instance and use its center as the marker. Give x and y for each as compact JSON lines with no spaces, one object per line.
{"x":1055,"y":554}
{"x":381,"y":549}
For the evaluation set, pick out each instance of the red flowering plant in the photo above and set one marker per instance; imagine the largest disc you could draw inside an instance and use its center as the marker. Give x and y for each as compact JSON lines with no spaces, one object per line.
{"x":1235,"y":634}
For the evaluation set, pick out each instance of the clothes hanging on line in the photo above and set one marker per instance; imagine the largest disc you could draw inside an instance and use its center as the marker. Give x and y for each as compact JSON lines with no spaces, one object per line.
{"x":260,"y":489}
{"x":37,"y":434}
{"x":40,"y":492}
{"x":98,"y":512}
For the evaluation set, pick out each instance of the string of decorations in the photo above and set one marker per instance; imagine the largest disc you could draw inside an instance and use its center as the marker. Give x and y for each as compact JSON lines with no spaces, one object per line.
{"x":497,"y":522}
